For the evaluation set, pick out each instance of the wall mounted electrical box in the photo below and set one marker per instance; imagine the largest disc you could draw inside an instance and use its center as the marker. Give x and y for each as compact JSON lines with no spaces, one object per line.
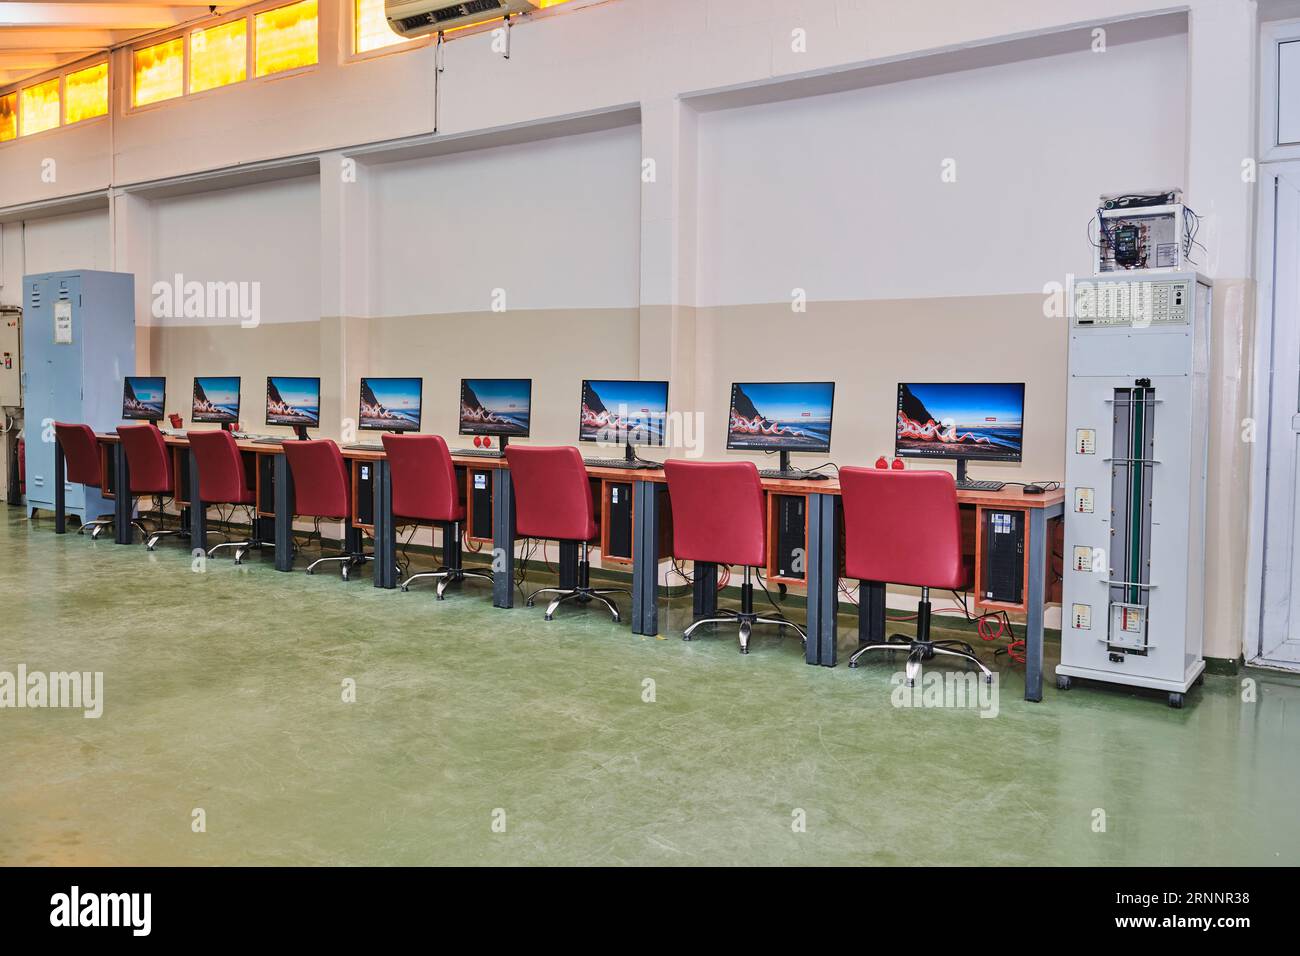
{"x":78,"y":345}
{"x":1138,"y":406}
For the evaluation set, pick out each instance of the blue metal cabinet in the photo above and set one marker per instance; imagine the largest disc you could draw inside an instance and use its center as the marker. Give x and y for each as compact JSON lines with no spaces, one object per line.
{"x":78,"y":345}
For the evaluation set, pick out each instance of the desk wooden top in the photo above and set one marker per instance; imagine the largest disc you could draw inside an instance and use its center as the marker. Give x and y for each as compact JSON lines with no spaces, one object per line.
{"x":1010,"y":496}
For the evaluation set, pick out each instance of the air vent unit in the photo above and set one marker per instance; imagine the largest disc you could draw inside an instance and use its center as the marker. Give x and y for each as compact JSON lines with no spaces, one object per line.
{"x":413,"y":18}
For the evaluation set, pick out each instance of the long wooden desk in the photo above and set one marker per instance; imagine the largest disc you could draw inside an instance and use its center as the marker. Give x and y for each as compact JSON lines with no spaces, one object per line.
{"x":650,"y":520}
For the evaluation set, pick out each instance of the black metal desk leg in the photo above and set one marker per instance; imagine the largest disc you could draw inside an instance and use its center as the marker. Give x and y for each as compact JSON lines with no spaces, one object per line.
{"x":385,"y":531}
{"x":645,"y":558}
{"x":60,"y":493}
{"x":871,"y":611}
{"x":123,"y":504}
{"x":704,"y":600}
{"x":283,"y":514}
{"x":822,"y":575}
{"x":198,"y":511}
{"x":503,"y":539}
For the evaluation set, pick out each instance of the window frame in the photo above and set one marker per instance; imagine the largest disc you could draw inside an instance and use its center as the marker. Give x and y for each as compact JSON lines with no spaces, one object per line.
{"x":61,"y":74}
{"x":248,"y":15}
{"x":349,"y":41}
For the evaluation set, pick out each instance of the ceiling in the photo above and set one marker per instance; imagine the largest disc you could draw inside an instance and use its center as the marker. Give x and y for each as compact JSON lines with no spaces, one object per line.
{"x":40,"y":36}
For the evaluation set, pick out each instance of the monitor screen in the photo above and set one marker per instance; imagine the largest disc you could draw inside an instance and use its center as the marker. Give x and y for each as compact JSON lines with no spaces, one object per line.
{"x":292,"y":401}
{"x":216,"y":399}
{"x":390,"y":404}
{"x":976,"y":420}
{"x":143,"y":397}
{"x":620,"y":412}
{"x":781,"y":416}
{"x":496,"y":406}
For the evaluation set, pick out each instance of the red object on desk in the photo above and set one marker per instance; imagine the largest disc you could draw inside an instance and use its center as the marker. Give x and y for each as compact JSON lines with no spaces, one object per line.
{"x":176,"y":420}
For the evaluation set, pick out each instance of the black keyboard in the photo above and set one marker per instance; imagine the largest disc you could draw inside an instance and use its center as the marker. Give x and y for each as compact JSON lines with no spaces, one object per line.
{"x":267,"y":440}
{"x":981,"y":485}
{"x":479,"y":452}
{"x":363,"y":447}
{"x":792,"y":475}
{"x":619,"y":463}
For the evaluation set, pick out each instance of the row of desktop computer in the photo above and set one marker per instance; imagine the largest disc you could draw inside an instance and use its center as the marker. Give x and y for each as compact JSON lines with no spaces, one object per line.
{"x":975,"y":421}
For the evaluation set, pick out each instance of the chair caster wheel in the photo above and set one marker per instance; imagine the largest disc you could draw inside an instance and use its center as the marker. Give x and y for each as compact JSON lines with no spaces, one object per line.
{"x":1176,"y":701}
{"x":685,"y":638}
{"x":744,"y":650}
{"x":310,"y":571}
{"x":405,"y":589}
{"x":617,"y":619}
{"x":1062,"y":682}
{"x":911,"y":682}
{"x":440,"y":597}
{"x":988,"y":678}
{"x":529,"y":603}
{"x":344,"y":571}
{"x":548,"y":617}
{"x":853,"y":665}
{"x":1200,"y":678}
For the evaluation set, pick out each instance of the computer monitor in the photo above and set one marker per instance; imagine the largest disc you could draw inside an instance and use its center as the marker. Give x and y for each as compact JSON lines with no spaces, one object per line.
{"x":968,"y":421}
{"x":143,"y":397}
{"x":216,"y":399}
{"x":782,"y":417}
{"x":500,"y":407}
{"x":294,"y":402}
{"x":623,"y":412}
{"x":390,"y":404}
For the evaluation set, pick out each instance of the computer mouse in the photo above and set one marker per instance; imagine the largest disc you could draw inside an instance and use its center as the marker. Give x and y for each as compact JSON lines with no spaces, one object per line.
{"x":1034,"y":489}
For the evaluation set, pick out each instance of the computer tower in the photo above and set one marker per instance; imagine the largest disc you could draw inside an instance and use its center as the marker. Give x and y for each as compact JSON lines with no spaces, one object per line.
{"x":365,"y":493}
{"x":480,"y":510}
{"x":1003,"y":551}
{"x":78,"y":344}
{"x":791,"y":557}
{"x":619,"y":504}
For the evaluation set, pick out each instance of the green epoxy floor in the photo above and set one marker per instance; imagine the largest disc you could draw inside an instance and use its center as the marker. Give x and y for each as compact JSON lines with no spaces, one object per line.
{"x":223,"y":692}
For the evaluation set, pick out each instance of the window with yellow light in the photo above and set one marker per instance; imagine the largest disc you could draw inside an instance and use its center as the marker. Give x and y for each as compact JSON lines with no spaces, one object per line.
{"x":9,"y":116}
{"x":85,"y":93}
{"x":370,"y":27}
{"x":158,"y":72}
{"x":219,"y":55}
{"x":39,"y":107}
{"x":285,"y":38}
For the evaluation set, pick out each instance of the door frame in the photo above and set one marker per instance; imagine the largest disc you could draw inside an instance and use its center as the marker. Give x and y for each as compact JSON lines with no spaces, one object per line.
{"x":1262,"y":400}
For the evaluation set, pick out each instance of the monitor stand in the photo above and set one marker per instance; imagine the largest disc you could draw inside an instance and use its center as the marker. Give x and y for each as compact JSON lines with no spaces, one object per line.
{"x":301,"y":432}
{"x":635,"y":461}
{"x":970,"y":484}
{"x":787,"y":472}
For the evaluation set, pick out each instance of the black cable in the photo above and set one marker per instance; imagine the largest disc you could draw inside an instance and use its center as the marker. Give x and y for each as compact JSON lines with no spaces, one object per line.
{"x":763,"y":585}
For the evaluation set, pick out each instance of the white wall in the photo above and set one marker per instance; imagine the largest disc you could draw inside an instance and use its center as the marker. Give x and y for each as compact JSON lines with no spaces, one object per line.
{"x":555,"y":224}
{"x":841,"y":194}
{"x":72,"y":241}
{"x":266,"y":233}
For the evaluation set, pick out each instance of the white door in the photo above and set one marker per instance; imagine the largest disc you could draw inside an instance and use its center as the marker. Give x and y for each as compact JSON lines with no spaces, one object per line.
{"x":1279,"y":638}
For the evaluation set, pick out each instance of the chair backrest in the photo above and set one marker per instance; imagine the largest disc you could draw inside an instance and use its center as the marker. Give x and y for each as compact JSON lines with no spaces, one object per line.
{"x":902,"y":527}
{"x":552,"y":493}
{"x":424,"y":479}
{"x":321,"y":488}
{"x":80,"y":453}
{"x":718,"y":512}
{"x":147,"y":458}
{"x":221,"y":467}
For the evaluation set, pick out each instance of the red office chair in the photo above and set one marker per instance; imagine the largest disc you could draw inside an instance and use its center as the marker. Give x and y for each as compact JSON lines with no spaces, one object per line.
{"x":904,"y":527}
{"x":425,"y":489}
{"x":81,"y":465}
{"x":719,"y":518}
{"x":150,"y":463}
{"x":553,"y":500}
{"x":322,"y":488}
{"x":222,"y":481}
